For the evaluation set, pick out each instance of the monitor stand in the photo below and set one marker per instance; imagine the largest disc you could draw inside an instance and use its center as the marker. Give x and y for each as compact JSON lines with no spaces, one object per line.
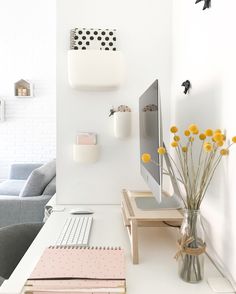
{"x":135,"y":217}
{"x":150,"y":203}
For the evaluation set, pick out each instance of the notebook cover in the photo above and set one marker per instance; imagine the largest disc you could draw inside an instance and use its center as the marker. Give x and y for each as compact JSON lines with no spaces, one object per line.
{"x":66,"y":292}
{"x":74,"y":284}
{"x":70,"y":262}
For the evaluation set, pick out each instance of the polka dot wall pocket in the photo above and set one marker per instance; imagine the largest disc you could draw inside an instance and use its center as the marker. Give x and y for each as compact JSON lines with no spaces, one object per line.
{"x":93,"y":39}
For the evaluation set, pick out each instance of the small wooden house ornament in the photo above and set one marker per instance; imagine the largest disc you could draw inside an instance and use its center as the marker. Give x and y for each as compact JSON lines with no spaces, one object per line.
{"x":23,"y":88}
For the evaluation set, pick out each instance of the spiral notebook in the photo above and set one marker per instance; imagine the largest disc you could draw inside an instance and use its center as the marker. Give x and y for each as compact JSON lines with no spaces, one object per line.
{"x":74,"y":269}
{"x":93,"y":39}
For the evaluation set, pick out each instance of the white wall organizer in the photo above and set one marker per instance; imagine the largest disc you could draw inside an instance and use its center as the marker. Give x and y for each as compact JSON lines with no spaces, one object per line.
{"x":122,"y":122}
{"x":86,"y":153}
{"x":94,"y":63}
{"x":23,"y":89}
{"x":2,"y":110}
{"x":86,"y":149}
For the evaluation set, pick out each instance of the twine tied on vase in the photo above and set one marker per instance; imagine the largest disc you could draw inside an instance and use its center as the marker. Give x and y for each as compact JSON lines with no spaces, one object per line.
{"x":183,"y":248}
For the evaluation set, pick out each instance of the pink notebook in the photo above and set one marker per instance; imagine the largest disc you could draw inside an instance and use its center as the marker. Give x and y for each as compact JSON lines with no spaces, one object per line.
{"x":71,"y":262}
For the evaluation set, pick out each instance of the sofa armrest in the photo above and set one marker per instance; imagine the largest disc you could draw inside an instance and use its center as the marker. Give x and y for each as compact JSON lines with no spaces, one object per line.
{"x":21,"y":171}
{"x":15,"y":209}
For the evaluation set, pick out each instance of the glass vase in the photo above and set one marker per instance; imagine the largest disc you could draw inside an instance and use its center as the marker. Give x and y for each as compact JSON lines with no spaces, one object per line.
{"x":191,"y":247}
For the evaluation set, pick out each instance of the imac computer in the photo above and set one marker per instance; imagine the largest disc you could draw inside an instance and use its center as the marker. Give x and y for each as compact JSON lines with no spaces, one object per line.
{"x":151,"y":138}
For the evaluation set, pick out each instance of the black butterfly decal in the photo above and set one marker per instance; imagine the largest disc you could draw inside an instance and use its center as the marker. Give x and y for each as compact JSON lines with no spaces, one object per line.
{"x":186,"y":85}
{"x":207,"y":3}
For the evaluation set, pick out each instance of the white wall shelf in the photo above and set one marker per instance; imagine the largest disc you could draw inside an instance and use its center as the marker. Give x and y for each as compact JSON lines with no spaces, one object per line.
{"x":95,"y":69}
{"x":23,"y":89}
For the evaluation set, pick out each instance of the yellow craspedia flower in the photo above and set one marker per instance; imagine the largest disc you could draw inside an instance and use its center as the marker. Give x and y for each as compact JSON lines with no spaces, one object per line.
{"x":184,"y":149}
{"x":174,"y":129}
{"x":176,"y":138}
{"x":218,"y":131}
{"x":196,"y":132}
{"x":193,"y":128}
{"x":187,"y":133}
{"x":224,"y":152}
{"x":174,"y":144}
{"x":208,"y":147}
{"x":209,"y":132}
{"x":220,"y":143}
{"x":191,"y":139}
{"x":218,"y":137}
{"x":202,"y":137}
{"x":161,"y":150}
{"x":146,"y":157}
{"x":234,"y":139}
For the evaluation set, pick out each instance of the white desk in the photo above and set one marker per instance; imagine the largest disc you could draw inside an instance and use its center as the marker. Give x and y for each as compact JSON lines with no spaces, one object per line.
{"x":156,"y":273}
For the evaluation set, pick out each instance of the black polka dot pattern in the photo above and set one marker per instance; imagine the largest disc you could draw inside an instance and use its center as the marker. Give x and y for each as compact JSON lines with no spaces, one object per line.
{"x":97,"y":39}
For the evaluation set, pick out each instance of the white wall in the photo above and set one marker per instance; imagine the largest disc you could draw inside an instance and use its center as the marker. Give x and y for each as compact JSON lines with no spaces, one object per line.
{"x":204,"y":47}
{"x":145,"y":35}
{"x":27,"y":50}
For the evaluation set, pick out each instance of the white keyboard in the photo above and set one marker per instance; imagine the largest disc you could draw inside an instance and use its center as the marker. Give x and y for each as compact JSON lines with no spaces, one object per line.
{"x":76,"y":231}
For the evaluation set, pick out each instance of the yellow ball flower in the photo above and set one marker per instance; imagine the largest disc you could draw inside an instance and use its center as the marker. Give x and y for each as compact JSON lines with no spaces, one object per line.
{"x":220,"y":143}
{"x":196,"y":132}
{"x":161,"y":150}
{"x":218,"y":137}
{"x":191,"y":139}
{"x":177,"y":138}
{"x":174,"y":129}
{"x":209,"y":132}
{"x":224,"y":152}
{"x":202,"y":137}
{"x":146,"y":157}
{"x":234,"y":139}
{"x":217,"y":131}
{"x":174,"y":144}
{"x":187,"y":133}
{"x":208,"y":147}
{"x":193,"y":128}
{"x":184,"y":149}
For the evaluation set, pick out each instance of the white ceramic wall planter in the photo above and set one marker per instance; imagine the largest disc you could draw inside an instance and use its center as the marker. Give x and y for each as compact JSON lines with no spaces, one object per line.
{"x":86,"y":153}
{"x":95,"y":69}
{"x":122,"y":124}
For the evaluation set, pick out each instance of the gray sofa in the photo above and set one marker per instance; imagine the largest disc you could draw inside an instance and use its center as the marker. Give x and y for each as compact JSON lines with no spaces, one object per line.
{"x":24,"y":195}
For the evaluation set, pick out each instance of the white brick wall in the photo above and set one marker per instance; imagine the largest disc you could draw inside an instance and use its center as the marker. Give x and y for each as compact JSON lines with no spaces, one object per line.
{"x":27,"y":50}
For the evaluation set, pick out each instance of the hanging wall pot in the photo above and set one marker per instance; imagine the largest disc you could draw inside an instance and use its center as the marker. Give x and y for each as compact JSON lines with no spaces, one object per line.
{"x":86,"y":149}
{"x":122,"y":121}
{"x":86,"y":153}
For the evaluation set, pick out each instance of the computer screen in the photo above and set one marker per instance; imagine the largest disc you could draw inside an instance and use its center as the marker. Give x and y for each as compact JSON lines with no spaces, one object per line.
{"x":150,"y":125}
{"x":151,"y":137}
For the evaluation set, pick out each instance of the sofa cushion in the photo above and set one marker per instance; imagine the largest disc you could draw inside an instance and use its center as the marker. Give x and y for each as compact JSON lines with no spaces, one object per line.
{"x":11,"y":187}
{"x":50,"y":188}
{"x":21,"y":171}
{"x":39,"y":179}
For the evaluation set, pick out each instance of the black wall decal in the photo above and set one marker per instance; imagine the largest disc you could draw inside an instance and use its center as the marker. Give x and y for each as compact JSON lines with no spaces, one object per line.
{"x":186,"y":85}
{"x":207,"y":3}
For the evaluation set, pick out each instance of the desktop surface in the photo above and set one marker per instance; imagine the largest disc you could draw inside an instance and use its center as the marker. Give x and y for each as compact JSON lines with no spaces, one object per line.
{"x":156,"y":273}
